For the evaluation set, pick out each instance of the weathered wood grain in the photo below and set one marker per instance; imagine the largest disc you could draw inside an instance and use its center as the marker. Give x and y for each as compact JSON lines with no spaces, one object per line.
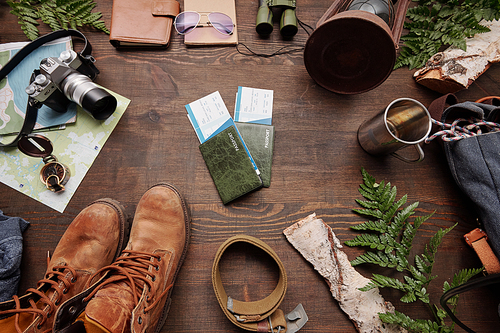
{"x":316,"y":168}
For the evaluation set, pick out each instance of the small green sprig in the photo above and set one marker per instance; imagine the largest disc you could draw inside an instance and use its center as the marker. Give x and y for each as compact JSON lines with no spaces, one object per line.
{"x":57,"y":14}
{"x":437,"y":23}
{"x":390,"y":235}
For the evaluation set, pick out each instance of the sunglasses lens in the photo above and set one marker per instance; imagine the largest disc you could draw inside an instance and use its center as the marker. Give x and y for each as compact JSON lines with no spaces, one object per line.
{"x":222,"y":23}
{"x":185,"y":22}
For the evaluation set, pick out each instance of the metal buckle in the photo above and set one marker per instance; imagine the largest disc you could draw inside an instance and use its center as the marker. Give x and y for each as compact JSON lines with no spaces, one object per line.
{"x":296,"y":319}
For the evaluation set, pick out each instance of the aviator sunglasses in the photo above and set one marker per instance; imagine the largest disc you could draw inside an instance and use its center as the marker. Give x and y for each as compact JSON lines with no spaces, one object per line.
{"x":186,"y":22}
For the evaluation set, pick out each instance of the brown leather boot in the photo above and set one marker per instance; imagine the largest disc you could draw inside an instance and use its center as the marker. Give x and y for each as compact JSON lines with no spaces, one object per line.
{"x":93,"y":240}
{"x":135,"y":297}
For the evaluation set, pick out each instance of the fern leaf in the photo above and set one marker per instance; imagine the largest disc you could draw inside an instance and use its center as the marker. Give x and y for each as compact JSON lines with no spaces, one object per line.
{"x":370,"y":240}
{"x":368,"y":287}
{"x":368,"y":204}
{"x":384,"y":282}
{"x":57,"y":14}
{"x":379,"y":258}
{"x":370,"y":212}
{"x":436,"y":23}
{"x":378,"y":226}
{"x":394,"y":208}
{"x":409,"y":324}
{"x":409,"y":297}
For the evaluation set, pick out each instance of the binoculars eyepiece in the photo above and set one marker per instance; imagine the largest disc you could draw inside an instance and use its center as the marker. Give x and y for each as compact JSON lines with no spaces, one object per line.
{"x":288,"y":21}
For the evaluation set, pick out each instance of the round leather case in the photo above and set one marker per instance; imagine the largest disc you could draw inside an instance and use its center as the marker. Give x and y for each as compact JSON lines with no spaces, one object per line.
{"x":351,"y":52}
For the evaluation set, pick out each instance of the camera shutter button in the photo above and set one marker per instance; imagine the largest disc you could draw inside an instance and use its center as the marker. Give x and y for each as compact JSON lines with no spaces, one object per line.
{"x":30,"y":90}
{"x":66,"y":56}
{"x":40,"y":79}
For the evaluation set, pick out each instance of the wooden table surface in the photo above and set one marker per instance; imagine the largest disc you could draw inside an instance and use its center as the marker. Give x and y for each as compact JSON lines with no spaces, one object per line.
{"x":316,"y":169}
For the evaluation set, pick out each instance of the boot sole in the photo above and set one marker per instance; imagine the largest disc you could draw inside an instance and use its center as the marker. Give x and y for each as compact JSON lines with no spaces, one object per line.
{"x":187,"y":224}
{"x":124,"y":223}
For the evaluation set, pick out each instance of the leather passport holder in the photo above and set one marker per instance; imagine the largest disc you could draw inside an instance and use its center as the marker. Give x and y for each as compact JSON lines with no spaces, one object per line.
{"x":229,"y":165}
{"x":259,"y":139}
{"x":147,"y":23}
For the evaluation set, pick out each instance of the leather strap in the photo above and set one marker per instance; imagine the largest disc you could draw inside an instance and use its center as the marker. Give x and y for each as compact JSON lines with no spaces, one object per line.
{"x":467,"y":286}
{"x":478,"y":240}
{"x":169,"y":8}
{"x":254,"y":316}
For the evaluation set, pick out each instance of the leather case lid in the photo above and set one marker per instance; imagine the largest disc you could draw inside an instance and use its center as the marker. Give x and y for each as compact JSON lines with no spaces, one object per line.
{"x":165,"y":8}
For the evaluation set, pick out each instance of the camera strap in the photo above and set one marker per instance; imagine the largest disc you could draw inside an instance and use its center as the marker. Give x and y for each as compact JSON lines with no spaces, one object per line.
{"x":32,"y":107}
{"x":26,"y":50}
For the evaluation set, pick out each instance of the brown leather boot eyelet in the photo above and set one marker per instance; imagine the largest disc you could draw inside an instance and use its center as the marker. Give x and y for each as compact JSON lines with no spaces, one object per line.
{"x":65,"y":291}
{"x":139,"y":320}
{"x":73,"y":279}
{"x":72,"y":310}
{"x":157,"y":267}
{"x":153,"y":278}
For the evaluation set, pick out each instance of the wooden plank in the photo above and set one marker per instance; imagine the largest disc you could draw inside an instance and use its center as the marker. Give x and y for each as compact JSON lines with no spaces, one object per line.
{"x":316,"y":168}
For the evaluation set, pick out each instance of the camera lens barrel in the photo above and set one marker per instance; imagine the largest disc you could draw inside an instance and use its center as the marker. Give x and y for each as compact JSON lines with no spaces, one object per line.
{"x":95,"y":100}
{"x":99,"y":103}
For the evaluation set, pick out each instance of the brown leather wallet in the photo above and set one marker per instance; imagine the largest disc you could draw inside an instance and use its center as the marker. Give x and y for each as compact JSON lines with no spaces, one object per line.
{"x":136,"y":23}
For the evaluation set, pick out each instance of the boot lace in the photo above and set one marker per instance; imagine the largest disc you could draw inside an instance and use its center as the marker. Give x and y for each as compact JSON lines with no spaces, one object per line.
{"x":54,"y":279}
{"x":132,"y":267}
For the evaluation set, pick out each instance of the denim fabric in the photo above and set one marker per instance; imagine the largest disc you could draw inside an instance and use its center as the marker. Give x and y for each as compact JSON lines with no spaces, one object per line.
{"x":11,"y":249}
{"x":475,"y":165}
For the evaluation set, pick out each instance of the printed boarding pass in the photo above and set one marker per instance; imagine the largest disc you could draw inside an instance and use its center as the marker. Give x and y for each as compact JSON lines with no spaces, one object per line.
{"x":209,"y":116}
{"x":254,"y":106}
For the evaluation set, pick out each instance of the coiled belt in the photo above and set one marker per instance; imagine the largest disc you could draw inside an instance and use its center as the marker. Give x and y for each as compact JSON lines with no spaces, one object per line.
{"x":262,"y":315}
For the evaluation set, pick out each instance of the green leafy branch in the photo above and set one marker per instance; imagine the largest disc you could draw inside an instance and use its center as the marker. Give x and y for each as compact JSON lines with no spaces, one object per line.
{"x":437,"y":23}
{"x":57,"y":14}
{"x":390,"y":237}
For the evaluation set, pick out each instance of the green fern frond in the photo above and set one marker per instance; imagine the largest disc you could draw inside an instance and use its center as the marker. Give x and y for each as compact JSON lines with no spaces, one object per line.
{"x":377,"y":258}
{"x":437,"y":23}
{"x":459,"y":278}
{"x":409,"y":324}
{"x":390,"y":238}
{"x":379,"y":242}
{"x":57,"y":14}
{"x":378,"y":226}
{"x":382,"y":281}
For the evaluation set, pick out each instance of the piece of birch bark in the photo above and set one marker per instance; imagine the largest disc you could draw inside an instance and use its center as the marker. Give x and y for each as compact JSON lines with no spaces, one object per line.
{"x":455,"y":69}
{"x":317,"y":243}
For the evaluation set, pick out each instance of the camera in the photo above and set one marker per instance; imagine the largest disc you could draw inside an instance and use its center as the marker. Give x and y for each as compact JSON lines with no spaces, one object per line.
{"x":66,"y":79}
{"x":288,"y":21}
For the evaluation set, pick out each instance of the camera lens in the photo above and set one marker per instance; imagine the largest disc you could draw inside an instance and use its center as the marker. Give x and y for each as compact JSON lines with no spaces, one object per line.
{"x":95,"y":100}
{"x":99,"y":103}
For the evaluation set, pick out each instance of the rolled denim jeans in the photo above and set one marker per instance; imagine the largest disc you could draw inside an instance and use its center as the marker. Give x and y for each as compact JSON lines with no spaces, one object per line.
{"x":11,"y":249}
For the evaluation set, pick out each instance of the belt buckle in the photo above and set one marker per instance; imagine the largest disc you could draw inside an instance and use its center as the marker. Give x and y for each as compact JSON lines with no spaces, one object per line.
{"x":296,"y":319}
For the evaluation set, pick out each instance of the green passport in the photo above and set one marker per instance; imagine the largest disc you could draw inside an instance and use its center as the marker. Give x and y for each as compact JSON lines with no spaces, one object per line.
{"x":229,"y":165}
{"x":259,"y":139}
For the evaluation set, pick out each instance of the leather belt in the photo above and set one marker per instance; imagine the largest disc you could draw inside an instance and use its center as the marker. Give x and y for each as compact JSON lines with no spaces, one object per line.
{"x":262,"y":315}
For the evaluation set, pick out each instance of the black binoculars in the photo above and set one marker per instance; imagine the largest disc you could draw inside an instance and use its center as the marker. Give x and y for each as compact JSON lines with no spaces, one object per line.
{"x":288,"y":21}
